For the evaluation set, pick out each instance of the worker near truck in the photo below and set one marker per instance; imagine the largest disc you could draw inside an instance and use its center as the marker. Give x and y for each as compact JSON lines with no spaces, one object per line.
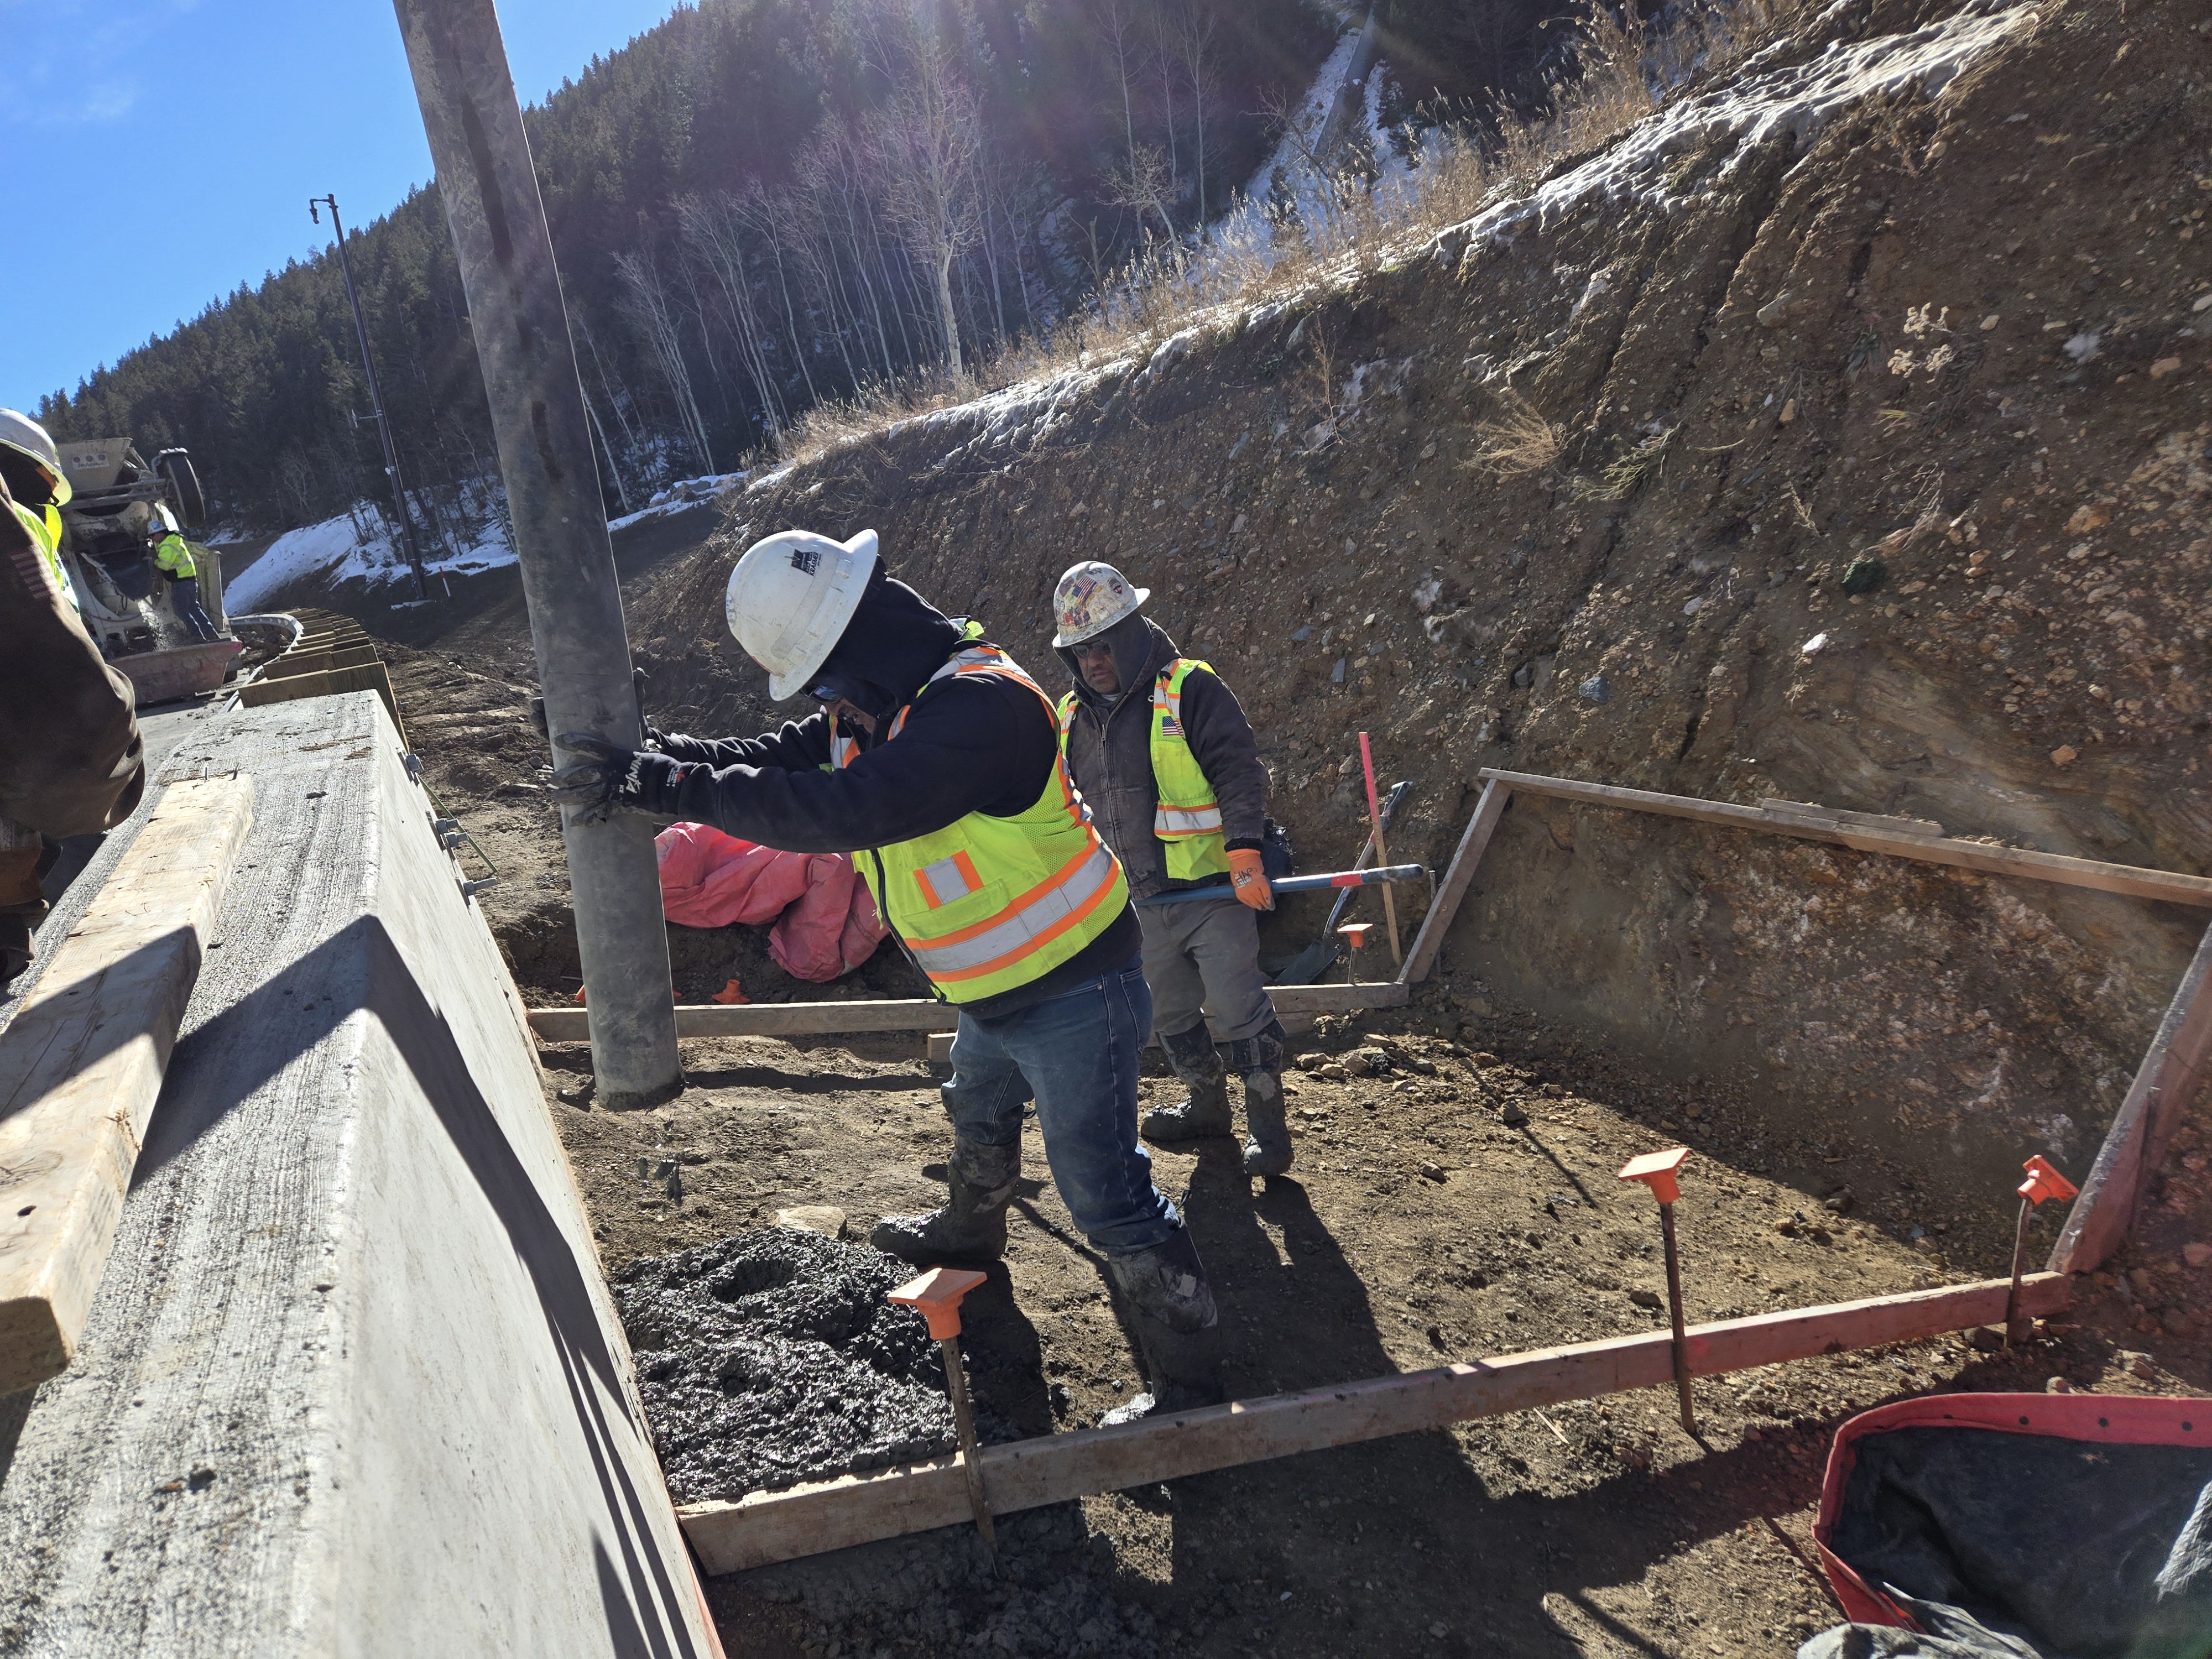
{"x":934,"y":760}
{"x":174,"y":558}
{"x":71,"y":761}
{"x":1161,"y":749}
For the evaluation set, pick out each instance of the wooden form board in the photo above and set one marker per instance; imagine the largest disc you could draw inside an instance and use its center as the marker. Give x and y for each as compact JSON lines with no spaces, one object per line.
{"x":2112,"y":1196}
{"x":321,"y":660}
{"x":1025,"y":1474}
{"x":710,"y":1019}
{"x":81,"y":1064}
{"x":1496,"y":797}
{"x":1858,"y":831}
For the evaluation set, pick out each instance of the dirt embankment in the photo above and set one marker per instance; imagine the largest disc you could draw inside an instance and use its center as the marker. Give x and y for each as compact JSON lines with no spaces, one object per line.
{"x":1958,"y":338}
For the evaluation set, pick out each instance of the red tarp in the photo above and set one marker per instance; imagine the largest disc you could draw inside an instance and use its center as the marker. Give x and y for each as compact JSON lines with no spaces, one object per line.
{"x":826,"y":920}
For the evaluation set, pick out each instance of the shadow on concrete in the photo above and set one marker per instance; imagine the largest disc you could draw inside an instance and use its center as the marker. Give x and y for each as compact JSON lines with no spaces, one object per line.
{"x":280,"y":1019}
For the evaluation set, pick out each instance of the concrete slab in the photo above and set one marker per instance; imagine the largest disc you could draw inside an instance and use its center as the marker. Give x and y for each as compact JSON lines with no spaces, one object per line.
{"x":353,"y":1384}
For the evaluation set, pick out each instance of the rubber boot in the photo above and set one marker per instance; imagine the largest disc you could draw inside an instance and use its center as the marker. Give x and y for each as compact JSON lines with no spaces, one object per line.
{"x":1206,"y":1112}
{"x":1178,"y":1328}
{"x":1259,"y":1061}
{"x":972,"y":1226}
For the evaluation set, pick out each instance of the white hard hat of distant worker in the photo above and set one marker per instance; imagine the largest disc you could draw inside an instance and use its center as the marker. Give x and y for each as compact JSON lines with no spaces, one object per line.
{"x":20,"y":433}
{"x":1089,"y":599}
{"x":790,"y":599}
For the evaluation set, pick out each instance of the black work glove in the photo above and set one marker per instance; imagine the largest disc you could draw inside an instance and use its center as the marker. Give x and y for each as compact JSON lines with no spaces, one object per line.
{"x":601,"y":779}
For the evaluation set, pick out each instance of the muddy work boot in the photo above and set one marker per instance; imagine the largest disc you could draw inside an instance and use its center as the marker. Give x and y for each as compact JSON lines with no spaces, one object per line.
{"x":1198,"y":1063}
{"x":1259,"y":1061}
{"x":972,"y":1226}
{"x":1178,"y":1328}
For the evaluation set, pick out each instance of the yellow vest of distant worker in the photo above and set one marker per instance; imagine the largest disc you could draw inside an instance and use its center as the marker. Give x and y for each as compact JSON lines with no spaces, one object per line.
{"x":45,"y":533}
{"x":987,"y":904}
{"x":1188,"y":818}
{"x":174,"y":555}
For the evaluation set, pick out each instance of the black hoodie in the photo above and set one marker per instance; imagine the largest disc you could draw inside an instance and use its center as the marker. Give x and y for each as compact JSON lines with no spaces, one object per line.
{"x":976,"y":745}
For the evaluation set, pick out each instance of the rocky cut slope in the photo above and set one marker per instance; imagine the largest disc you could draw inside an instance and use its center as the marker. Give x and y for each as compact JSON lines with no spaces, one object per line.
{"x":1839,"y":434}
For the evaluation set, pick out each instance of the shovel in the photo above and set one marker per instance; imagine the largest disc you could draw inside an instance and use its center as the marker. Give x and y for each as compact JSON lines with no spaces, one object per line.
{"x":1317,"y":959}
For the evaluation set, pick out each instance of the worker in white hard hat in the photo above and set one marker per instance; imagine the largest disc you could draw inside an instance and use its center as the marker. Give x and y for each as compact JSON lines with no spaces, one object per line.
{"x":1160,"y":748}
{"x":71,"y":759}
{"x":934,"y":761}
{"x":174,"y":558}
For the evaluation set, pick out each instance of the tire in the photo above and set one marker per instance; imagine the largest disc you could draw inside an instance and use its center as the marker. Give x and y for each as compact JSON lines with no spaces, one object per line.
{"x":176,"y":465}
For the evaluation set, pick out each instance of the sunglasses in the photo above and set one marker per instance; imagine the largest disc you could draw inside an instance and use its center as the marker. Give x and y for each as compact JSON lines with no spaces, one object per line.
{"x":1084,"y":653}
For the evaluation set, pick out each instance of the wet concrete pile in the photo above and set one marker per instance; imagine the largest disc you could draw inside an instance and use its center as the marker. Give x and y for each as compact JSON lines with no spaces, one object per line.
{"x":771,"y":1358}
{"x":1046,"y":1594}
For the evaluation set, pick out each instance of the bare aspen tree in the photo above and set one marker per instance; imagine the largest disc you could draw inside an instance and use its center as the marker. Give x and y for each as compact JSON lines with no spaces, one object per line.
{"x":1115,"y":23}
{"x":1194,"y":47}
{"x":646,"y":301}
{"x":713,"y":238}
{"x":927,"y":139}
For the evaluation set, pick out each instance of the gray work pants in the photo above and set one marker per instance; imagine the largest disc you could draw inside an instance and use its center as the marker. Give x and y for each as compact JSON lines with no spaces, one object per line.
{"x":1202,"y":963}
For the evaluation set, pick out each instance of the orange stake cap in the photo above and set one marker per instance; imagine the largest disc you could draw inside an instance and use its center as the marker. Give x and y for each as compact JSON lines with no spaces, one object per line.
{"x":1356,"y":931}
{"x":1656,"y":1171}
{"x":937,"y":1296}
{"x":2044,"y":1182}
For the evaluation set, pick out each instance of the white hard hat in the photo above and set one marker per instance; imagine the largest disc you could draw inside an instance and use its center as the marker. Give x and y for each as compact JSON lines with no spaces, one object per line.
{"x":26,"y":436}
{"x":166,"y":519}
{"x":789,"y":600}
{"x":1089,"y":599}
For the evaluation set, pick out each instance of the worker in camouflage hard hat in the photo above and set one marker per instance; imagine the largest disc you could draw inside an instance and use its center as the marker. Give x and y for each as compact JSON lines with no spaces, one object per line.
{"x":934,"y":761}
{"x":1161,"y":749}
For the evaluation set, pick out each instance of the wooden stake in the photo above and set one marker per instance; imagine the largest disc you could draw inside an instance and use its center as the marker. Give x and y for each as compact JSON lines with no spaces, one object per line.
{"x":1026,"y":1473}
{"x":1452,"y":889}
{"x":1382,"y":852}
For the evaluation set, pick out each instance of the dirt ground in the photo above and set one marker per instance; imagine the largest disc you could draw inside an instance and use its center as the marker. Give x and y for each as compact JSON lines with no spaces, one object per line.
{"x":1599,"y":1527}
{"x":1305,"y":493}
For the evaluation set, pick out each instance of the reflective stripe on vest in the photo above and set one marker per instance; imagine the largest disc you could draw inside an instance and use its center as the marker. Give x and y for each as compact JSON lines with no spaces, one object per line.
{"x":1071,"y":885}
{"x":45,"y":530}
{"x":1186,"y":817}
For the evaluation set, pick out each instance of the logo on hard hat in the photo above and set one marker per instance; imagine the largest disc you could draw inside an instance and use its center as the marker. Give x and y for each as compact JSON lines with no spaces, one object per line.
{"x":807,"y":560}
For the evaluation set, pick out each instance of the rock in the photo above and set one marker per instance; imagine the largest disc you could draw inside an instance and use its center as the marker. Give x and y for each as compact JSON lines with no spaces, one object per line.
{"x":2136,"y":1362}
{"x":2065,"y":755}
{"x":2196,"y":1255}
{"x":1985,"y":1339}
{"x":1863,"y":575}
{"x":1333,"y":1072}
{"x":824,"y":1219}
{"x":2164,"y":367}
{"x":1840,"y":1201}
{"x":1310,"y":1062}
{"x":2058,"y":1385}
{"x":1775,"y":312}
{"x":1814,"y":647}
{"x":1433,"y":1171}
{"x":2176,"y":1322}
{"x":1647,"y":1298}
{"x":1512,"y":1116}
{"x":1789,"y":413}
{"x":1595,"y":689}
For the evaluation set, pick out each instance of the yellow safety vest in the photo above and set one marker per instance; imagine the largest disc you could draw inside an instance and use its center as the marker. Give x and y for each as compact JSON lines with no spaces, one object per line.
{"x":174,"y":555}
{"x":47,"y":536}
{"x":1188,"y":818}
{"x":987,"y":904}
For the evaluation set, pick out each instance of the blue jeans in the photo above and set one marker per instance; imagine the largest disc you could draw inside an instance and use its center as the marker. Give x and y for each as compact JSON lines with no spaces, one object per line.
{"x":1076,"y":1055}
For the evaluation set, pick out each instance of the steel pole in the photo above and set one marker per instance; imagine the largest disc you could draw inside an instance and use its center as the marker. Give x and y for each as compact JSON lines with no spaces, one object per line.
{"x":376,"y":403}
{"x":1681,"y":1345}
{"x":489,"y":189}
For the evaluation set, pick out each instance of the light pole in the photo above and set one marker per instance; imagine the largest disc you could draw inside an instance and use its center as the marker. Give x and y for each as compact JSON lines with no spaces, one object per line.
{"x":315,"y":204}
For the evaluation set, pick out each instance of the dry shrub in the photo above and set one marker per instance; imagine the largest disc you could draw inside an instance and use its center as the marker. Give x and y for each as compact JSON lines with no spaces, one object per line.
{"x":1519,"y":441}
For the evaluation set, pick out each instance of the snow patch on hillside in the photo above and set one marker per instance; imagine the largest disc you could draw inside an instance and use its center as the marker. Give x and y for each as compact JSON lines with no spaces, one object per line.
{"x":357,"y":546}
{"x":1761,"y":104}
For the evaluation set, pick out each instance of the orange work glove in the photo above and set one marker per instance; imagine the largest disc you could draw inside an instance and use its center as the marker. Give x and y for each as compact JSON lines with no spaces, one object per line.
{"x":1247,"y":875}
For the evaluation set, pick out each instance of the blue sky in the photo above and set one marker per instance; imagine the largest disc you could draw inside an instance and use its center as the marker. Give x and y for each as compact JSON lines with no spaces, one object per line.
{"x":137,"y":194}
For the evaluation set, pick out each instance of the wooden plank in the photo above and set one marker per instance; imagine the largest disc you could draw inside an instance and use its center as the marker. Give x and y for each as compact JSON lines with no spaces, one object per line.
{"x":293,"y":663}
{"x":710,"y":1019}
{"x":1835,"y":817}
{"x":2180,"y":1053}
{"x":940,"y":1048}
{"x":82,"y":1063}
{"x":1025,"y":1474}
{"x":2130,"y":879}
{"x":1496,"y":797}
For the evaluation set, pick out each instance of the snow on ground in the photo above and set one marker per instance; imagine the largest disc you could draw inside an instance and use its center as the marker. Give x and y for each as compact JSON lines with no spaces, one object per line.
{"x":356,"y":546}
{"x":680,"y":497}
{"x":1759,"y":103}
